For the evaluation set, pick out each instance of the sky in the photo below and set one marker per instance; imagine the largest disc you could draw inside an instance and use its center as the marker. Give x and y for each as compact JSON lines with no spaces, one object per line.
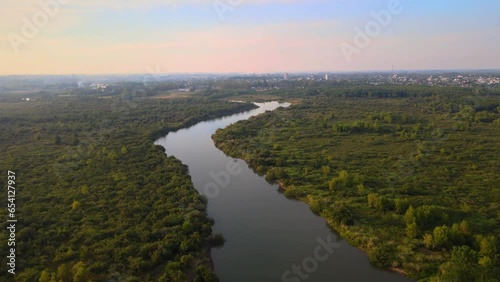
{"x":246,"y":36}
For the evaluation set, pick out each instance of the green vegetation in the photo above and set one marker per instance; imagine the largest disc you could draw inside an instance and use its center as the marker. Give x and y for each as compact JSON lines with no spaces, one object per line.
{"x":409,"y":174}
{"x":96,"y":200}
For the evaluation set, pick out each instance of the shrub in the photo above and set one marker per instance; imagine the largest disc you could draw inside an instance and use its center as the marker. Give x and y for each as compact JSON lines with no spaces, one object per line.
{"x":381,"y":256}
{"x":342,"y":215}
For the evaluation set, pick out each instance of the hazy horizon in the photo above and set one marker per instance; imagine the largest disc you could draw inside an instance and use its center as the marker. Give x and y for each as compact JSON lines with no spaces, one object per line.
{"x":248,"y":36}
{"x":257,"y":73}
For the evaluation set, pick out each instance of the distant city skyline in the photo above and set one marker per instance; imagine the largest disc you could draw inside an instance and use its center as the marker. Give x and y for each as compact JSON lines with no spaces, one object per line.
{"x":255,"y":36}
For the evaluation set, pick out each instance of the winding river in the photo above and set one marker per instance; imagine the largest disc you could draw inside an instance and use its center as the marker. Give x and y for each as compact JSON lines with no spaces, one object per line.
{"x":268,"y":237}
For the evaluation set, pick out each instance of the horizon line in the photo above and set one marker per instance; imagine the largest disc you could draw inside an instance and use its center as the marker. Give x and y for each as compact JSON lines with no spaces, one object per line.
{"x":254,"y":73}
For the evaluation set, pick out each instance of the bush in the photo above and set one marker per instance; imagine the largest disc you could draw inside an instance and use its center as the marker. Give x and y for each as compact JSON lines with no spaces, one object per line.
{"x":203,"y":274}
{"x":381,"y":256}
{"x":412,"y":230}
{"x":401,"y":205}
{"x":342,"y":215}
{"x":463,"y":265}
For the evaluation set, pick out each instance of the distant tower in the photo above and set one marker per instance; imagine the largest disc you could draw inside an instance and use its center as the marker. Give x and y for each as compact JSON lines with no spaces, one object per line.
{"x":285,"y":76}
{"x":326,"y":76}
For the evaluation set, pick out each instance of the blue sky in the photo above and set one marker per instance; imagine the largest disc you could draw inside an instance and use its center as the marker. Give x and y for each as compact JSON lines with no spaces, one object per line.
{"x":112,"y":36}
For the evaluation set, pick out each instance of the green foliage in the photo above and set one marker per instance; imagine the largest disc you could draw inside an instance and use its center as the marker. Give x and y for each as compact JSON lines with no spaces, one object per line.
{"x":440,"y":236}
{"x":64,"y":273}
{"x":428,"y":215}
{"x":342,"y":215}
{"x":412,"y":230}
{"x":111,"y":204}
{"x":488,"y":246}
{"x":203,"y":274}
{"x":275,"y":173}
{"x":75,"y":205}
{"x":344,"y":181}
{"x":381,"y":203}
{"x":80,"y":272}
{"x":401,"y":205}
{"x":410,"y":215}
{"x":420,"y":175}
{"x":381,"y":256}
{"x":315,"y":205}
{"x":45,"y":276}
{"x":293,"y":192}
{"x":446,"y":237}
{"x":428,"y":241}
{"x":463,"y":266}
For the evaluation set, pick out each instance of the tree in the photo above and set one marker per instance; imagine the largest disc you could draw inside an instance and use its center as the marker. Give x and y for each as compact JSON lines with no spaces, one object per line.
{"x":426,"y":215}
{"x":173,"y":272}
{"x":440,"y":235}
{"x":361,"y":189}
{"x":487,"y":270}
{"x":85,"y":190}
{"x":455,"y":236}
{"x":410,"y":215}
{"x":383,"y":203}
{"x":342,"y":215}
{"x":326,"y":170}
{"x":372,"y":198}
{"x":75,"y":205}
{"x":464,"y":227}
{"x":401,"y":205}
{"x":428,"y":241}
{"x":332,"y":184}
{"x":45,"y":276}
{"x":488,"y":246}
{"x":381,"y":256}
{"x":81,"y":272}
{"x":203,"y":274}
{"x":412,"y":230}
{"x":64,"y":273}
{"x":462,"y":267}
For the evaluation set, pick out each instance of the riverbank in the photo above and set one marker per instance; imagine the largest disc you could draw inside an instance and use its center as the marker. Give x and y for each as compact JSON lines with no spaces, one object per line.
{"x":390,"y":175}
{"x":99,"y":201}
{"x":341,"y":229}
{"x":263,"y":237}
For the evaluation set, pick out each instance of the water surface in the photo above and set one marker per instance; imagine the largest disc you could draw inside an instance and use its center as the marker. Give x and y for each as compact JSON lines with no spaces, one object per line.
{"x":266,"y":233}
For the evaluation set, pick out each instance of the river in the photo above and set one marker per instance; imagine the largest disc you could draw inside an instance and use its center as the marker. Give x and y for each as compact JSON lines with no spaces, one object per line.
{"x":268,"y":237}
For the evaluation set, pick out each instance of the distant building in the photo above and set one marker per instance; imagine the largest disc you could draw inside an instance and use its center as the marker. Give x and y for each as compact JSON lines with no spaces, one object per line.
{"x":326,"y":76}
{"x":285,"y":76}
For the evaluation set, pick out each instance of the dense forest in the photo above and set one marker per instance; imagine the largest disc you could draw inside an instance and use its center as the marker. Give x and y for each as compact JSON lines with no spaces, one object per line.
{"x":408,"y":174}
{"x":95,"y":199}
